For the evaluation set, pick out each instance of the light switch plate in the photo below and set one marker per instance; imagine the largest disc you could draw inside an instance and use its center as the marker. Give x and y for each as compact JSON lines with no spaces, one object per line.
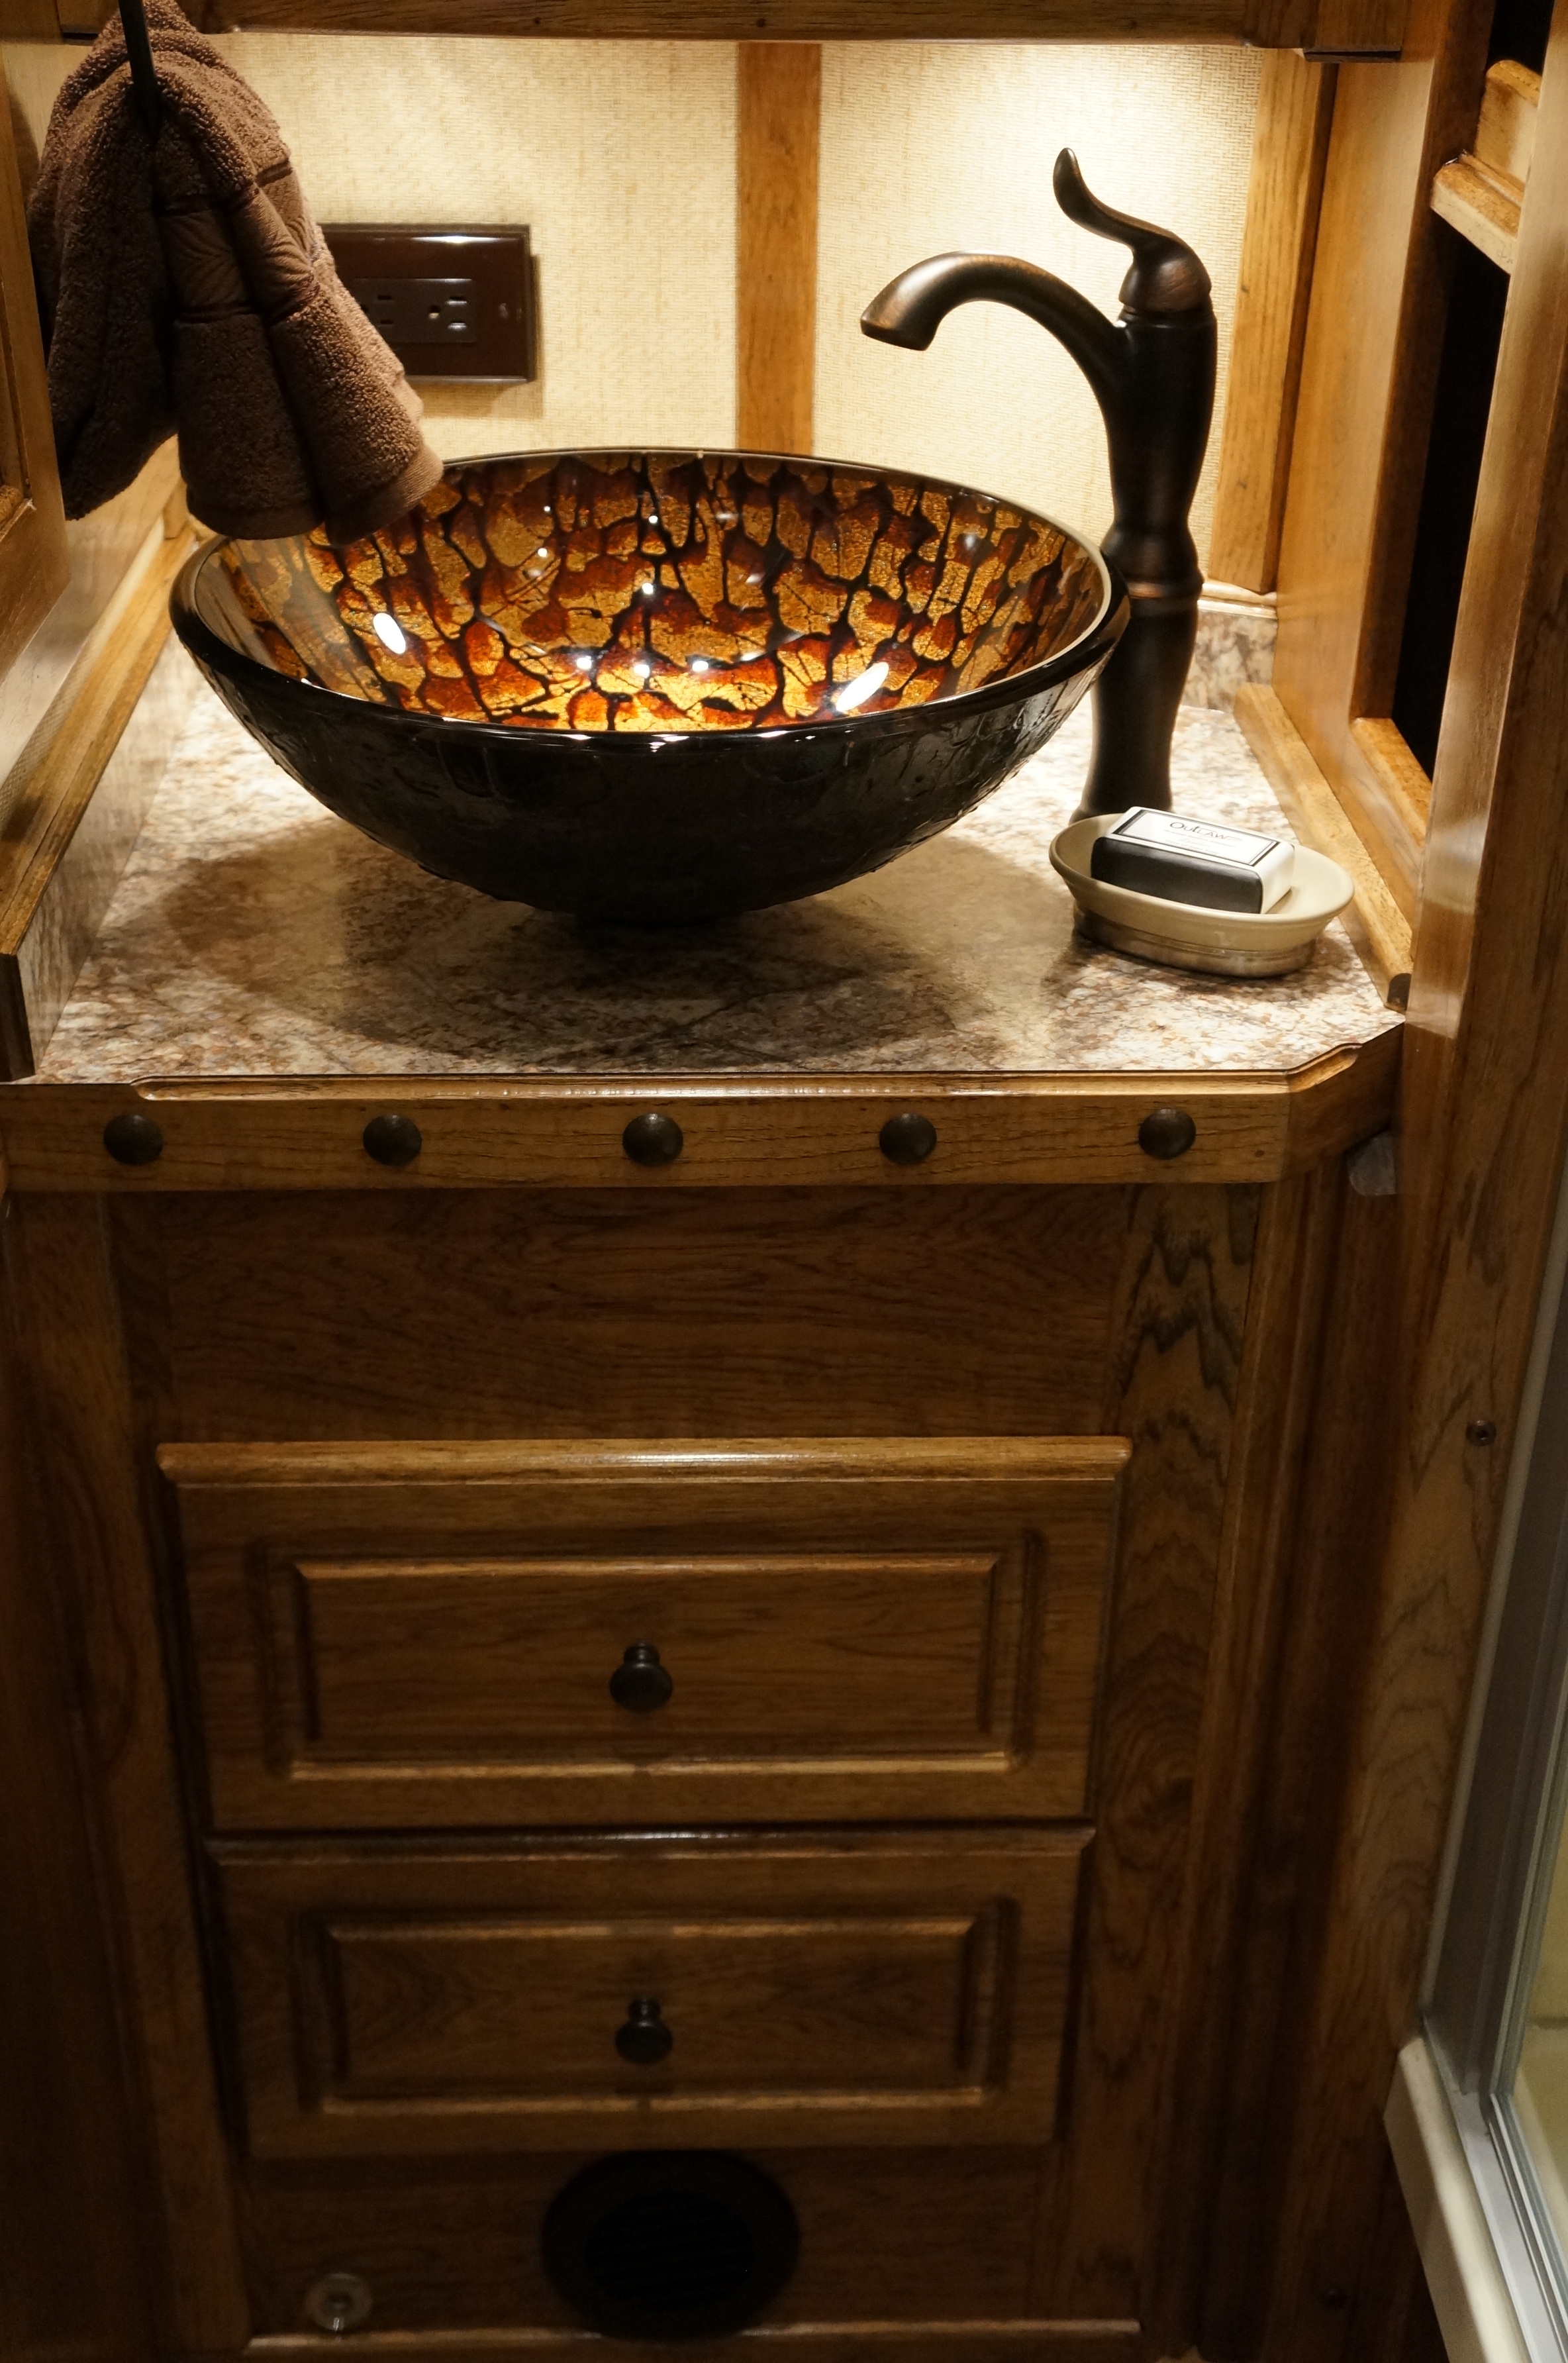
{"x":450,"y":303}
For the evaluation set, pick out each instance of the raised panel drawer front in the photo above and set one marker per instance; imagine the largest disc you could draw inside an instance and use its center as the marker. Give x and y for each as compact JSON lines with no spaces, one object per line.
{"x":856,"y":1987}
{"x":500,"y":1635}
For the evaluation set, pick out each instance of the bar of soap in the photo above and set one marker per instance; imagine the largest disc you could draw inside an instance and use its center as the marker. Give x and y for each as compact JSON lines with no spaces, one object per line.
{"x":1198,"y":861}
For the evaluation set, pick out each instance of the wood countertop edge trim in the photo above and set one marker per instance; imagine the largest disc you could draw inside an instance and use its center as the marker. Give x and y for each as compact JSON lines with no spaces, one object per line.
{"x":306,"y":1133}
{"x":1080,"y":1460}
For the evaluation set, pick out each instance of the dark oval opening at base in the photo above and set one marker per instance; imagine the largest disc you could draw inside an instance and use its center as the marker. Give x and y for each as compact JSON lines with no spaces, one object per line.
{"x":670,"y":2244}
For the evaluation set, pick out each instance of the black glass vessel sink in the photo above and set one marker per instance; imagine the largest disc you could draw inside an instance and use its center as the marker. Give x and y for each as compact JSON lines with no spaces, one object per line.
{"x":656,"y":687}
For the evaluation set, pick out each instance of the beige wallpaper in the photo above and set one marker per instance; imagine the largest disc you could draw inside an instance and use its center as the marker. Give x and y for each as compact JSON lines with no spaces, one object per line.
{"x":621,"y":157}
{"x":927,"y":147}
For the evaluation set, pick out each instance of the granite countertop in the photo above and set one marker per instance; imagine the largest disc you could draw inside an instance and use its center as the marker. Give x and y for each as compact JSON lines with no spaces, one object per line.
{"x":254,"y":935}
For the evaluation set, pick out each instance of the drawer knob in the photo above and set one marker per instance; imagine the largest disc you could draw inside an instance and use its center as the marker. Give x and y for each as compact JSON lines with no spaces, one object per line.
{"x":639,"y":1683}
{"x":644,"y":2039}
{"x":653,"y":1139}
{"x":907,"y":1140}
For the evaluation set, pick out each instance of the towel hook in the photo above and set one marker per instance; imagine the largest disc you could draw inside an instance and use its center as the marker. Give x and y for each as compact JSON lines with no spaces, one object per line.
{"x":144,"y":73}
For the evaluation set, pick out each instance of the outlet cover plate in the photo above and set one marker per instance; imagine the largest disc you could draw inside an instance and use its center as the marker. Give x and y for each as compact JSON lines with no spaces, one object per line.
{"x":450,"y":303}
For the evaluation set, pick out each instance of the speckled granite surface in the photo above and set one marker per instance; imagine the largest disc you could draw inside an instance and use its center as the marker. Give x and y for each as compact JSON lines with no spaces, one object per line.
{"x":254,"y":935}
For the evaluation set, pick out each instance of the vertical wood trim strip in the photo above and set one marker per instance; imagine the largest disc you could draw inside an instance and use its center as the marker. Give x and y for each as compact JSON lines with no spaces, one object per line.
{"x":1291,"y":148}
{"x":85,"y":1431}
{"x":1485,"y":1107}
{"x":777,"y":136}
{"x":1177,"y":1327}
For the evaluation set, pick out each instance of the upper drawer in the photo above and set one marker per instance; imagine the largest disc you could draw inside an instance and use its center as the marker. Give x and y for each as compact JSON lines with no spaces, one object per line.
{"x":429,"y":1634}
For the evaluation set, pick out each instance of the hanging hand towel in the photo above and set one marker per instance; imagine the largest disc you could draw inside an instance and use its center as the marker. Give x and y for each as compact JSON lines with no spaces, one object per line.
{"x":187,"y":290}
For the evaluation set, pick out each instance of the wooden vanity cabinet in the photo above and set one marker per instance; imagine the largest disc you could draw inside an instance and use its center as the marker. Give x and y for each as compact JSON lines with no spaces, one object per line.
{"x":961,"y":1523}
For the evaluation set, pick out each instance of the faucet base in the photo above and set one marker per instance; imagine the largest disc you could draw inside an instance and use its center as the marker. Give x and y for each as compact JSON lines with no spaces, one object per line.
{"x":1135,"y":701}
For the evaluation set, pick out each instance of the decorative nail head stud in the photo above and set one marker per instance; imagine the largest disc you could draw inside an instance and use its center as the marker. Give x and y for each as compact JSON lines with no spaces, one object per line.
{"x":907,"y":1140}
{"x":653,"y":1139}
{"x":1167,"y":1132}
{"x":1481,"y":1431}
{"x":392,"y":1139}
{"x":133,"y":1140}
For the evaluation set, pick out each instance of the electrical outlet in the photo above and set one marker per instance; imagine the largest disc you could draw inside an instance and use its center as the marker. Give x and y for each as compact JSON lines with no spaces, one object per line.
{"x":450,"y":303}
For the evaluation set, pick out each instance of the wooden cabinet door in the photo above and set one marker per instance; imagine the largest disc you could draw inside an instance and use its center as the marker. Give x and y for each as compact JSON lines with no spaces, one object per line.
{"x":33,"y":560}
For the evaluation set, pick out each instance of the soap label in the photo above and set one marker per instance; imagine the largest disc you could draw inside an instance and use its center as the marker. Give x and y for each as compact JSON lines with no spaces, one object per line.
{"x":1209,"y":838}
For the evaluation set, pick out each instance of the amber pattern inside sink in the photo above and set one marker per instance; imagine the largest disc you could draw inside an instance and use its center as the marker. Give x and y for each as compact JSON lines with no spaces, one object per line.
{"x":665,"y":591}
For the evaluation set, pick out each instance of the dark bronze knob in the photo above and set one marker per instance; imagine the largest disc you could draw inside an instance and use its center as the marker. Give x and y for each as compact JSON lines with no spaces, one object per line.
{"x":644,"y":2039}
{"x":639,"y":1682}
{"x":1167,"y":1132}
{"x":392,"y":1139}
{"x":907,"y":1140}
{"x":133,"y":1140}
{"x":653,"y":1139}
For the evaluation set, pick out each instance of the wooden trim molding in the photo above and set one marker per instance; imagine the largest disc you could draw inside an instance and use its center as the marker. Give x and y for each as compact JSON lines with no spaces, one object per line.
{"x":480,"y":1134}
{"x":1290,"y":146}
{"x":72,"y":828}
{"x":1374,"y":922}
{"x":34,"y":562}
{"x":777,"y":142}
{"x":1485,"y":1124}
{"x":1335,"y":29}
{"x":1482,"y":206}
{"x":1368,"y":379}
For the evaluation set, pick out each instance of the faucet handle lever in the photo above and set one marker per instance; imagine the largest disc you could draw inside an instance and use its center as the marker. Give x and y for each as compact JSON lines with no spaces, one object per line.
{"x":1165,"y":277}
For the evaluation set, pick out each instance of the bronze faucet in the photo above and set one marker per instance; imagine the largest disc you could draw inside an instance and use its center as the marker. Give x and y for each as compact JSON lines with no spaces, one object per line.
{"x":1153,"y":379}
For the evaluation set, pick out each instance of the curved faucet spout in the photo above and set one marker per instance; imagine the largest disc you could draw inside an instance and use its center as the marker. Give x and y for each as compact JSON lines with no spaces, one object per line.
{"x":1152,"y":375}
{"x":912,"y":308}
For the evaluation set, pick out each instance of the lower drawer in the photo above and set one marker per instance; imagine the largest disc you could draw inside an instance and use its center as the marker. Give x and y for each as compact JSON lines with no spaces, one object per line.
{"x":626,"y":1992}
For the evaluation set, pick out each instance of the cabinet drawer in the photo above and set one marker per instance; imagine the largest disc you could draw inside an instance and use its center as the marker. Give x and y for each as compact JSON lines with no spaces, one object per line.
{"x":856,"y":1988}
{"x":397,"y":1636}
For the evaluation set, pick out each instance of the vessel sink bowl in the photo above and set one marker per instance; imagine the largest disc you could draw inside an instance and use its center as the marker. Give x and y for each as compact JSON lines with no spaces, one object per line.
{"x":656,"y":687}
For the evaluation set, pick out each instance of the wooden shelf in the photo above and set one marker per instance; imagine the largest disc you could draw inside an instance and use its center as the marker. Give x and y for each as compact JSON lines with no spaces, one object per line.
{"x":1479,"y":194}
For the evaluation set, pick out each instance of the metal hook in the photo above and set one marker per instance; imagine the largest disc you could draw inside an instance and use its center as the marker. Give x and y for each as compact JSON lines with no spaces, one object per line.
{"x":144,"y":73}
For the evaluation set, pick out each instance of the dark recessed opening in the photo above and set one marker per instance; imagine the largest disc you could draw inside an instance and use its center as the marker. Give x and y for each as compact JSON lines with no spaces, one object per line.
{"x":1478,"y":292}
{"x":671,"y":2244}
{"x":1519,"y":30}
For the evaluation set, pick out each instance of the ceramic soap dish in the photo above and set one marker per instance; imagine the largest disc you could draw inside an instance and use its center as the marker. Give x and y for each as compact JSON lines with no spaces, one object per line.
{"x":1185,"y":934}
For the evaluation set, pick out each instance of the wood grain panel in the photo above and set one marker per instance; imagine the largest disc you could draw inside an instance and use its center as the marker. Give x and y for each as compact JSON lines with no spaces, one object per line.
{"x":1290,"y":146}
{"x":1329,"y":1609}
{"x":71,"y":830}
{"x":979,"y":2341}
{"x":777,"y":136}
{"x":1281,"y":22}
{"x":595,"y":1313}
{"x":837,"y":1988}
{"x":309,"y":1135}
{"x":909,"y":2238}
{"x":1481,"y":204}
{"x":851,"y":1630}
{"x":73,"y":2278}
{"x":1485,"y":1117}
{"x":1374,"y":922}
{"x":34,"y":562}
{"x":98,"y":1534}
{"x":1368,"y":380}
{"x":1171,"y":1388}
{"x":1505,"y":136}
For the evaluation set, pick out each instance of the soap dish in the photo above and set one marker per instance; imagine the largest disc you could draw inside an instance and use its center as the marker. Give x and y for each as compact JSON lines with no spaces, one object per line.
{"x":1185,"y":934}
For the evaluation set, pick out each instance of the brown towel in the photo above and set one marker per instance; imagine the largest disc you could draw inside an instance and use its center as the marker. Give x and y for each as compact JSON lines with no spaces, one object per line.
{"x":190,"y":291}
